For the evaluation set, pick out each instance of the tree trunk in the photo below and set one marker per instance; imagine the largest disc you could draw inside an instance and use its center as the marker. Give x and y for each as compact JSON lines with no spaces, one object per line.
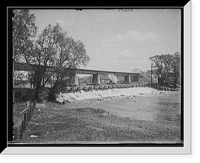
{"x":160,"y":80}
{"x":52,"y":96}
{"x":36,"y":94}
{"x":38,"y":84}
{"x":175,"y":82}
{"x":39,"y":74}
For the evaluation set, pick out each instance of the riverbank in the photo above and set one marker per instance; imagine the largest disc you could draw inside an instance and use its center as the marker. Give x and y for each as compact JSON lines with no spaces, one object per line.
{"x":101,"y":94}
{"x":154,"y":116}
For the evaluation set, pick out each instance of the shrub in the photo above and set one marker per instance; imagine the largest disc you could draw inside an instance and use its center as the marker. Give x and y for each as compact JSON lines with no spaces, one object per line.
{"x":23,"y":94}
{"x":26,"y":94}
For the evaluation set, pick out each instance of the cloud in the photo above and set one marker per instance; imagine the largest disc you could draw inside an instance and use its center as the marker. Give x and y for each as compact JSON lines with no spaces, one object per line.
{"x":136,"y":36}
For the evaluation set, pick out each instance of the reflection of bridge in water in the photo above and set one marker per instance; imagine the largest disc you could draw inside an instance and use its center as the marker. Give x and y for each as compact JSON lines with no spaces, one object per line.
{"x":129,"y":77}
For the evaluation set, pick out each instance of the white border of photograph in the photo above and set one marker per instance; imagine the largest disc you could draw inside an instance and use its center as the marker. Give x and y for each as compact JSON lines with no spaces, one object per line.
{"x":185,"y":150}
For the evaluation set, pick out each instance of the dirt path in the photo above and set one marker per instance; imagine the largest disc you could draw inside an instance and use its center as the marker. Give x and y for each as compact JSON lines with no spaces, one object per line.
{"x":152,"y":118}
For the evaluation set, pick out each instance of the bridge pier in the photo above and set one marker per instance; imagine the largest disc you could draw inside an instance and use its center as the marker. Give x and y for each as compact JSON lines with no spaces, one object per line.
{"x":73,"y":78}
{"x":96,"y":79}
{"x":127,"y":79}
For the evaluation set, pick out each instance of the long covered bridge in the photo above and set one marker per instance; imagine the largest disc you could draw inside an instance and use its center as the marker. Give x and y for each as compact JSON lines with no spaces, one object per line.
{"x":73,"y":73}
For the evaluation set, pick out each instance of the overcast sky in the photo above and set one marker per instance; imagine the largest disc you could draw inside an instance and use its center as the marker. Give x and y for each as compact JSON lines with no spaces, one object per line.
{"x":116,"y":40}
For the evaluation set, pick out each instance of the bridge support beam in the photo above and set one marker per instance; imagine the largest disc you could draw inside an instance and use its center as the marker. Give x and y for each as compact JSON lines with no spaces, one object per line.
{"x":96,"y":79}
{"x":127,"y":79}
{"x":73,"y":78}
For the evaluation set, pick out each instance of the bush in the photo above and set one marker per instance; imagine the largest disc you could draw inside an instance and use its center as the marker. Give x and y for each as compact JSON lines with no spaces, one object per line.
{"x":43,"y":93}
{"x":23,"y":94}
{"x":26,"y":94}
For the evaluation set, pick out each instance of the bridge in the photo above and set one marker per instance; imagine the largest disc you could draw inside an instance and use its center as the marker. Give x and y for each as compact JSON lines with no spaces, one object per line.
{"x":73,"y":73}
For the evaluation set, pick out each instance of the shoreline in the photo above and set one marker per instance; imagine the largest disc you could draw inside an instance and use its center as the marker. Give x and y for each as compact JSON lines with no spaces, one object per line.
{"x":150,"y":117}
{"x":102,"y":94}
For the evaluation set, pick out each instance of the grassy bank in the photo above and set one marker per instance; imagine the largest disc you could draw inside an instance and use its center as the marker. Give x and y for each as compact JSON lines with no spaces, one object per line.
{"x":107,"y":121}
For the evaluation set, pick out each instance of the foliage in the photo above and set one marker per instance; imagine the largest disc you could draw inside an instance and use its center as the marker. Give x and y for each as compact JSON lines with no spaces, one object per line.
{"x":51,"y":48}
{"x":57,"y":50}
{"x":23,"y":94}
{"x":23,"y":30}
{"x":167,"y":68}
{"x":65,"y":54}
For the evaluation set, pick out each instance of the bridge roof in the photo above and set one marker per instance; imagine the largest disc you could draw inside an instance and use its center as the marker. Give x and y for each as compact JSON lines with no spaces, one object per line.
{"x":29,"y":67}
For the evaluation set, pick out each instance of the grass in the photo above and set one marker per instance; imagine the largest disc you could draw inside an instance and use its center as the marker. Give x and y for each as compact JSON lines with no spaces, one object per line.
{"x":91,"y":125}
{"x":95,"y":122}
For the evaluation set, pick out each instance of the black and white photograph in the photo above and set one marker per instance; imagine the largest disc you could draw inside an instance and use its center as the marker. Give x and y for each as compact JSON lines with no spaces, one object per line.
{"x":108,"y":77}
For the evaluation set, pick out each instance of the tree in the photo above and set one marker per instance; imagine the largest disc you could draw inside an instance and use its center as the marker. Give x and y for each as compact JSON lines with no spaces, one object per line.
{"x":68,"y":54}
{"x":23,"y":30}
{"x":167,"y":68}
{"x":167,"y":65}
{"x":55,"y":49}
{"x":158,"y":63}
{"x":176,"y":68}
{"x":43,"y":55}
{"x":51,"y":48}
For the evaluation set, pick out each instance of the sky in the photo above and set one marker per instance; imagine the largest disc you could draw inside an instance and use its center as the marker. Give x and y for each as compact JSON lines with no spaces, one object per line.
{"x":116,"y":40}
